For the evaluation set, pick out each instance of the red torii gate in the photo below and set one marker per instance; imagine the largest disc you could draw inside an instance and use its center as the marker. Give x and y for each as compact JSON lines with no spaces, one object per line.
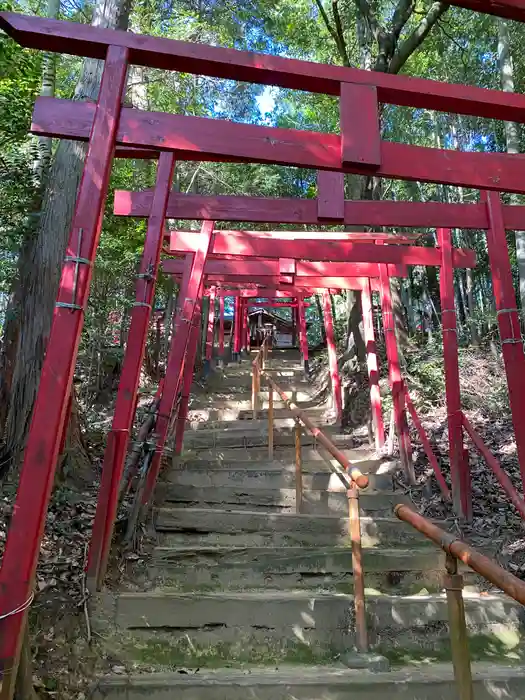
{"x":359,"y":149}
{"x":302,"y":272}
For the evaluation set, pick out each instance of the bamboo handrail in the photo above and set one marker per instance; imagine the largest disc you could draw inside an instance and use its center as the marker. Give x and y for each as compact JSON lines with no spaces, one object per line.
{"x":507,"y":582}
{"x":355,"y":474}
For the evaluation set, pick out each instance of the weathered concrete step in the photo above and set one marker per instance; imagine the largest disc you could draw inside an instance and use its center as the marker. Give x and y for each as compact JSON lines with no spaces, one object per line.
{"x":279,"y":374}
{"x":272,"y":478}
{"x":255,"y":437}
{"x":316,"y":414}
{"x":364,"y":457}
{"x":239,"y":408}
{"x":430,"y":682}
{"x":284,"y":437}
{"x":236,"y":391}
{"x":325,"y":568}
{"x":259,"y":425}
{"x":279,"y":500}
{"x":282,"y":528}
{"x":321,"y":621}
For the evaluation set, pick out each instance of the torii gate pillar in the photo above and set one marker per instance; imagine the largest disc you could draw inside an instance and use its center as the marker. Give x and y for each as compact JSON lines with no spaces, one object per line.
{"x":221,"y":330}
{"x":332,"y":357}
{"x":210,"y":334}
{"x":394,"y":373}
{"x":189,"y":367}
{"x":303,"y":338}
{"x":372,"y":366}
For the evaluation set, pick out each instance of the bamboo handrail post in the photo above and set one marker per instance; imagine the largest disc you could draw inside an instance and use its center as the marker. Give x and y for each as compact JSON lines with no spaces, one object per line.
{"x":254,"y":389}
{"x":298,"y":468}
{"x":354,"y":525}
{"x":270,"y":421}
{"x":453,"y":584}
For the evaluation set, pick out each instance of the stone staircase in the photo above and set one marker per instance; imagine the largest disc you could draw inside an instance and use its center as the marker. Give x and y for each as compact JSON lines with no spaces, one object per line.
{"x":244,"y":598}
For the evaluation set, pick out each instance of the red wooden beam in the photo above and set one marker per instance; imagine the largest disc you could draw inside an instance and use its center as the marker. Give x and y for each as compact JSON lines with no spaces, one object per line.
{"x":309,"y":285}
{"x":177,"y":353}
{"x":243,"y":325}
{"x":236,"y":311}
{"x":303,"y":336}
{"x":17,"y":575}
{"x":305,"y":269}
{"x":396,"y":381}
{"x":330,"y":196}
{"x":323,"y":236}
{"x":500,"y":474}
{"x":508,"y":320}
{"x":372,"y":364}
{"x":181,"y":241}
{"x":235,"y":142}
{"x":332,"y":357}
{"x":189,"y":366}
{"x":221,"y":326}
{"x":211,"y":326}
{"x":261,"y":292}
{"x":118,"y":437}
{"x":509,"y":9}
{"x":318,"y":257}
{"x":278,"y":304}
{"x":359,"y":125}
{"x":304,"y":211}
{"x":169,"y":54}
{"x":452,"y":387}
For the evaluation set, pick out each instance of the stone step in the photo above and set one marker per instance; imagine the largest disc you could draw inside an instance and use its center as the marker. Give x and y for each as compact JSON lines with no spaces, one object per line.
{"x":208,"y":526}
{"x":323,"y":623}
{"x":240,"y":408}
{"x":254,"y":436}
{"x":325,"y":568}
{"x":279,"y":500}
{"x":365,"y":458}
{"x":285,"y":422}
{"x":282,"y":477}
{"x":316,"y":414}
{"x":429,"y":682}
{"x":235,"y":391}
{"x":278,"y":374}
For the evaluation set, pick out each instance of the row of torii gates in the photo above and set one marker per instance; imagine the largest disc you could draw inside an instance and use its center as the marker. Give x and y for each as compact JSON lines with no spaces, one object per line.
{"x":276,"y":262}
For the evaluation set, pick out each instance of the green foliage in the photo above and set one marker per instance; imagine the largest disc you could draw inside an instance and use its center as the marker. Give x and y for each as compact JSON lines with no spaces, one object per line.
{"x":296,"y":29}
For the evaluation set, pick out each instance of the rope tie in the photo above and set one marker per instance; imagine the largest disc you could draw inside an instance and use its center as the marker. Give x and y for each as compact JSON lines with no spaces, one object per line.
{"x":20,"y":608}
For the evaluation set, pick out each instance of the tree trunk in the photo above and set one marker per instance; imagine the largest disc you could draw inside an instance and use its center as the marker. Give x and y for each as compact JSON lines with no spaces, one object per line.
{"x":41,"y":256}
{"x":45,"y":143}
{"x":512,"y":136}
{"x":355,"y":344}
{"x":75,"y":463}
{"x":474,"y":335}
{"x":41,"y":168}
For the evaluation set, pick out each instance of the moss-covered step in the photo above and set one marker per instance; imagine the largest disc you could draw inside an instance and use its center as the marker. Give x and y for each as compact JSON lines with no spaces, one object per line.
{"x":434,"y":682}
{"x":279,"y":500}
{"x":254,"y":475}
{"x":287,"y":568}
{"x":280,"y":529}
{"x":322,"y":622}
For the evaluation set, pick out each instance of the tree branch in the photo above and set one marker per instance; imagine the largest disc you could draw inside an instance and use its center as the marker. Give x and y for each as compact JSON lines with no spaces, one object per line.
{"x":340,"y":33}
{"x":326,"y":20}
{"x":407,"y":47}
{"x":367,"y":14}
{"x":401,"y":16}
